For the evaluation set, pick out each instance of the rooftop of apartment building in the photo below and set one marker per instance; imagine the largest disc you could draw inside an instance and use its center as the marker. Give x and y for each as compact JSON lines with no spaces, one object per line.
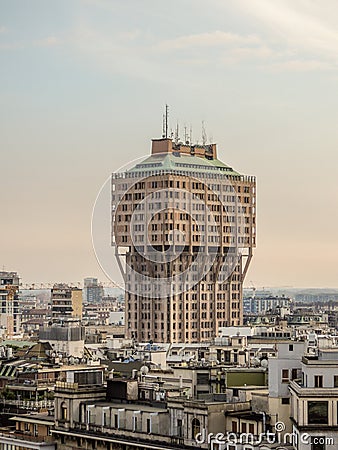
{"x":176,"y":157}
{"x":9,"y":278}
{"x":322,"y":357}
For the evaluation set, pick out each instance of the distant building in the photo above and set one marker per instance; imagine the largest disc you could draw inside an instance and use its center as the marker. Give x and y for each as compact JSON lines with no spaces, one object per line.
{"x":93,"y":291}
{"x":66,"y":302}
{"x":66,"y":338}
{"x":9,"y":301}
{"x":32,"y":431}
{"x":32,"y":319}
{"x":257,"y":304}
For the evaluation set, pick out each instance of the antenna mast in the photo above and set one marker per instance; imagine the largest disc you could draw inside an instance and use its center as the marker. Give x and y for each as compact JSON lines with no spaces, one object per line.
{"x":204,"y":134}
{"x":176,"y":134}
{"x":166,"y":120}
{"x":163,"y":126}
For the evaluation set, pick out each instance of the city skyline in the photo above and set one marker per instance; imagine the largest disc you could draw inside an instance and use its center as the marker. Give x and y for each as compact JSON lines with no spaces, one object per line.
{"x":83,"y":87}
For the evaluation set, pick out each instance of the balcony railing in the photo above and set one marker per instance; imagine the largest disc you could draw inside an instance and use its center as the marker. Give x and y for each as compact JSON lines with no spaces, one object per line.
{"x":27,"y":437}
{"x":109,"y":430}
{"x":61,"y":385}
{"x":123,"y":432}
{"x":29,"y":404}
{"x":299,"y":388}
{"x":31,"y":382}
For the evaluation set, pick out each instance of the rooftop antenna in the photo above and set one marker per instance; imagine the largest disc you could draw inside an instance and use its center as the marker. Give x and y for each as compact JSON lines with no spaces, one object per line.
{"x":190,"y":134}
{"x":204,"y":134}
{"x":166,"y":120}
{"x":176,"y":134}
{"x":163,"y":126}
{"x":185,"y":135}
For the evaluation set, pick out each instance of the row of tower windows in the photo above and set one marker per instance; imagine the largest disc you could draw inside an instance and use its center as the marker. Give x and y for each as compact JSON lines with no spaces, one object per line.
{"x":195,"y":238}
{"x":211,"y":197}
{"x":146,"y":336}
{"x":189,"y":307}
{"x":138,"y":217}
{"x":154,"y":184}
{"x":195,"y":228}
{"x":193,"y":326}
{"x":203,"y":296}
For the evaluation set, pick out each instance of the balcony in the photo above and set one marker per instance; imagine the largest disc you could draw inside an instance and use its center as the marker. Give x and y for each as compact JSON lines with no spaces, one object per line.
{"x":22,"y":382}
{"x":31,"y":405}
{"x":123,"y":433}
{"x":63,"y":386}
{"x":301,"y":391}
{"x":27,"y":441}
{"x":73,"y":388}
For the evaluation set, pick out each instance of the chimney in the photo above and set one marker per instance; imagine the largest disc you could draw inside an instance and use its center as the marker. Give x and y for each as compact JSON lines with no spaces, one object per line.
{"x":161,"y":146}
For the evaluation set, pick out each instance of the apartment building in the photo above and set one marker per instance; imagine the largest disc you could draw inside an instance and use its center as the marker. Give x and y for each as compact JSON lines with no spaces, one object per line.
{"x":93,"y":291}
{"x":9,"y":301}
{"x":66,"y":302}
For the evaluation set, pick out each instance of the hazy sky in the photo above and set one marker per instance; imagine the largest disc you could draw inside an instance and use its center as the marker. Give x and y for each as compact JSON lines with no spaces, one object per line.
{"x":82,"y":90}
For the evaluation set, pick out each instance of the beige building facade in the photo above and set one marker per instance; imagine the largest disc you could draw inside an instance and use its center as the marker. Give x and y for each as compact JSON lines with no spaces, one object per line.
{"x":66,"y":302}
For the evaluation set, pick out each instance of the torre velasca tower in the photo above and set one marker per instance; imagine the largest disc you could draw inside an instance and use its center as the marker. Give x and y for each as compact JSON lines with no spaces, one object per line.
{"x":183,"y":228}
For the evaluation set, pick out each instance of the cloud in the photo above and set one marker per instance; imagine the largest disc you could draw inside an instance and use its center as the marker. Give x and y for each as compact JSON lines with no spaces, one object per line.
{"x":248,"y":54}
{"x":297,"y":65}
{"x":210,"y":39}
{"x":135,"y":53}
{"x":12,"y":46}
{"x":301,"y":25}
{"x":130,"y":35}
{"x":3,"y":29}
{"x":235,"y":49}
{"x":49,"y":41}
{"x":126,"y":53}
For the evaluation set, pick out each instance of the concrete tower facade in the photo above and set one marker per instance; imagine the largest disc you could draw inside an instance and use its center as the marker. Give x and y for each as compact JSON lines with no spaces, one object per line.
{"x":184,"y":229}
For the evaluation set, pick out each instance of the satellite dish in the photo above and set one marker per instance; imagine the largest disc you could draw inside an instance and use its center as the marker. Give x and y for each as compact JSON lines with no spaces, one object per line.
{"x":255,"y":361}
{"x":144,"y":370}
{"x":264,"y":363}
